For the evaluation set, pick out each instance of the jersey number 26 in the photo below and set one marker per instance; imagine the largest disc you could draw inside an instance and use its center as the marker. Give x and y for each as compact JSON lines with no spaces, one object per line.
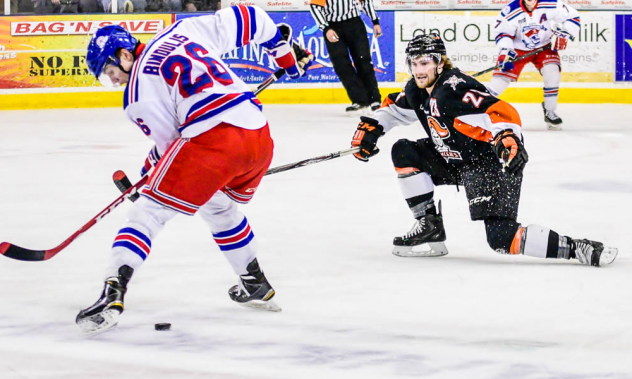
{"x":178,"y":68}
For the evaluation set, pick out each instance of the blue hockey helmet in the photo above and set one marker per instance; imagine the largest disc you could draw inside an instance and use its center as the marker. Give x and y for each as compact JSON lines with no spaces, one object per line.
{"x":103,"y":46}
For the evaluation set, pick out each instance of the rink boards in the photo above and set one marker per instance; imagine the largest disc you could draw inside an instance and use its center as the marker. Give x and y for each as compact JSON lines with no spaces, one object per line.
{"x":42,"y":62}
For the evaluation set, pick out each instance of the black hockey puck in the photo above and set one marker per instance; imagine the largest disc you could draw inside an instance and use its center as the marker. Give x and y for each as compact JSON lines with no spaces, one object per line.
{"x":163,"y":326}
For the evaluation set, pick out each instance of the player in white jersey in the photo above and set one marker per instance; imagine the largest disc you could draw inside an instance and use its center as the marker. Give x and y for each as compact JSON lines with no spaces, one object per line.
{"x":527,"y":25}
{"x":212,"y":142}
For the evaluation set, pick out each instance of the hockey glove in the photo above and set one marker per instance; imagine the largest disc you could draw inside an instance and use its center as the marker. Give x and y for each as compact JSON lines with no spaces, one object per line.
{"x":506,"y":59}
{"x":510,"y":150}
{"x":366,"y":136}
{"x":280,"y":47}
{"x":151,"y":161}
{"x":560,"y":39}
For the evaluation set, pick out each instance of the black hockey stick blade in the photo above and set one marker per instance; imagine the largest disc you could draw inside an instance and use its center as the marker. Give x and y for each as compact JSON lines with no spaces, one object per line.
{"x":10,"y":250}
{"x":20,"y":253}
{"x":123,"y":183}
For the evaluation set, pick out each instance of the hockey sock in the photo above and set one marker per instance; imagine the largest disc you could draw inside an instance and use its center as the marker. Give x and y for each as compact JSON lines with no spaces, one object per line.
{"x":551,"y":76}
{"x":238,"y":245}
{"x":132,"y":244}
{"x":540,"y":242}
{"x":418,"y":190}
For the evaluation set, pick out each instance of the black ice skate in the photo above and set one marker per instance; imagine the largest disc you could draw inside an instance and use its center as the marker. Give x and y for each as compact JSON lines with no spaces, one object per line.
{"x":253,"y":290}
{"x":104,"y":314}
{"x":593,"y":253}
{"x":553,"y":121}
{"x":425,"y":239}
{"x":356,"y":109}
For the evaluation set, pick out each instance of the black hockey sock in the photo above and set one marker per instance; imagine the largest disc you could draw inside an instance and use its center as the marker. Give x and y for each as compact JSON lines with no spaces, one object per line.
{"x":422,"y":205}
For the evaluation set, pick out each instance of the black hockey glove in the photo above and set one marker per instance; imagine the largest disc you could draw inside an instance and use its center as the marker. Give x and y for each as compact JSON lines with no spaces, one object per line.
{"x":510,"y":150}
{"x":365,"y":137}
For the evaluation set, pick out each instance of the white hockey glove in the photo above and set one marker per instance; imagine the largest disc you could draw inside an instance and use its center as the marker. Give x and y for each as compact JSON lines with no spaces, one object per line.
{"x":287,"y":54}
{"x":506,"y":59}
{"x":151,"y":161}
{"x":560,"y":39}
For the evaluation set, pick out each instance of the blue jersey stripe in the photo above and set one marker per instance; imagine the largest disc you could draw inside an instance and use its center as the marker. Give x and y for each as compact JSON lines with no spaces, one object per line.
{"x":240,"y":28}
{"x":253,"y":22}
{"x":216,"y":111}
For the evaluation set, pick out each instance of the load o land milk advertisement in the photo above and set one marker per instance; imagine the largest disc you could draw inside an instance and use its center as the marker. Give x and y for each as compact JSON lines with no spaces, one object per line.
{"x":470,"y":41}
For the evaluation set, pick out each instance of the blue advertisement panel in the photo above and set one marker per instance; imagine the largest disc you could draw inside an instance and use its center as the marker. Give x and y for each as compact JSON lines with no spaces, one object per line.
{"x":623,"y":47}
{"x":253,"y":65}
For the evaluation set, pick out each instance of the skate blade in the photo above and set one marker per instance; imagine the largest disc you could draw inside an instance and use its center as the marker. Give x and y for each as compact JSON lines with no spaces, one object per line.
{"x":268,"y":305}
{"x":608,"y":255}
{"x":431,"y":249}
{"x":93,"y":325}
{"x":553,"y":128}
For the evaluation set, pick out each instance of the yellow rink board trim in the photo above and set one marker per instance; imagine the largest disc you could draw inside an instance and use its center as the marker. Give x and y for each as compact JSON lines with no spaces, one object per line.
{"x":298,"y":96}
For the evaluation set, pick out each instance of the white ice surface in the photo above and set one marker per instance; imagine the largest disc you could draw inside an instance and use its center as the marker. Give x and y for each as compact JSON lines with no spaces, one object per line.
{"x":350,"y":308}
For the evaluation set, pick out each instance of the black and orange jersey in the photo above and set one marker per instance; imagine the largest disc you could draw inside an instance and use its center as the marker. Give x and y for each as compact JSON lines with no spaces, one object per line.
{"x":460,"y":115}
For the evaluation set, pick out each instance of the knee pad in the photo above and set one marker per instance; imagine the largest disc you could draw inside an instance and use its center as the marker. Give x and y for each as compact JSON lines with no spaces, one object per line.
{"x":498,"y":85}
{"x":551,"y":75}
{"x":501,"y":233}
{"x":404,"y":153}
{"x":148,"y":216}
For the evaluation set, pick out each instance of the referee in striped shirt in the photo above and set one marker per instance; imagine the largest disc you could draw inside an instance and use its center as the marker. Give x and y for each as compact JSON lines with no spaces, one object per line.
{"x":345,"y":34}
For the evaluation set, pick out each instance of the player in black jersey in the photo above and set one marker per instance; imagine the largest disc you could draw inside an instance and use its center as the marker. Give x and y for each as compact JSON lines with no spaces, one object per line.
{"x":475,"y":141}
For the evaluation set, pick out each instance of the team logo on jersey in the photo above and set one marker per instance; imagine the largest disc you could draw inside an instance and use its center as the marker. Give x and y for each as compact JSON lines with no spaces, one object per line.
{"x":531,"y":35}
{"x":438,"y":132}
{"x":454,"y":81}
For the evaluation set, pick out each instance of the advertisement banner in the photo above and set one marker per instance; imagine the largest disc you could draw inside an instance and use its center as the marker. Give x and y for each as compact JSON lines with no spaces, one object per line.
{"x":253,"y":65}
{"x":623,"y":47}
{"x":470,"y":41}
{"x":480,"y":4}
{"x":411,"y":4}
{"x":271,"y":5}
{"x":49,"y":51}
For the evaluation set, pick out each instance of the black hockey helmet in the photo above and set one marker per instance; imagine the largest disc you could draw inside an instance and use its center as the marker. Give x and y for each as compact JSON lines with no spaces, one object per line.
{"x":425,"y":44}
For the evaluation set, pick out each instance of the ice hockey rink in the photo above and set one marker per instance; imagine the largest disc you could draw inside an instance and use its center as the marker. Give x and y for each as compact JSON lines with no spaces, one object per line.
{"x":351,"y":309}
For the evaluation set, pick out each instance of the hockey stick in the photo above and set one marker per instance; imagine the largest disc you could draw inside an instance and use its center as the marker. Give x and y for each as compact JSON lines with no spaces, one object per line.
{"x":280,"y":72}
{"x":16,"y":252}
{"x":527,"y":55}
{"x":309,"y":161}
{"x":123,"y":183}
{"x":268,"y":82}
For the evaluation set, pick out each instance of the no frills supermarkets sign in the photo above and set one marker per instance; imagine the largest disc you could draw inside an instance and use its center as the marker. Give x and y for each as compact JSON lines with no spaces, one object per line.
{"x":49,"y":51}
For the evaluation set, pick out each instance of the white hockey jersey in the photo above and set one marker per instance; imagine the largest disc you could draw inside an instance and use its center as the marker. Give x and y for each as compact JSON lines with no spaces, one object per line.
{"x":180,"y":87}
{"x":521,"y":30}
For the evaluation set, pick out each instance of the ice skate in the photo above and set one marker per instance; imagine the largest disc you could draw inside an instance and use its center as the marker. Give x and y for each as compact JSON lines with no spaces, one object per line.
{"x":253,"y":290}
{"x":104,"y":314}
{"x":356,"y":109}
{"x":425,"y":239}
{"x":553,"y":121}
{"x":593,"y":253}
